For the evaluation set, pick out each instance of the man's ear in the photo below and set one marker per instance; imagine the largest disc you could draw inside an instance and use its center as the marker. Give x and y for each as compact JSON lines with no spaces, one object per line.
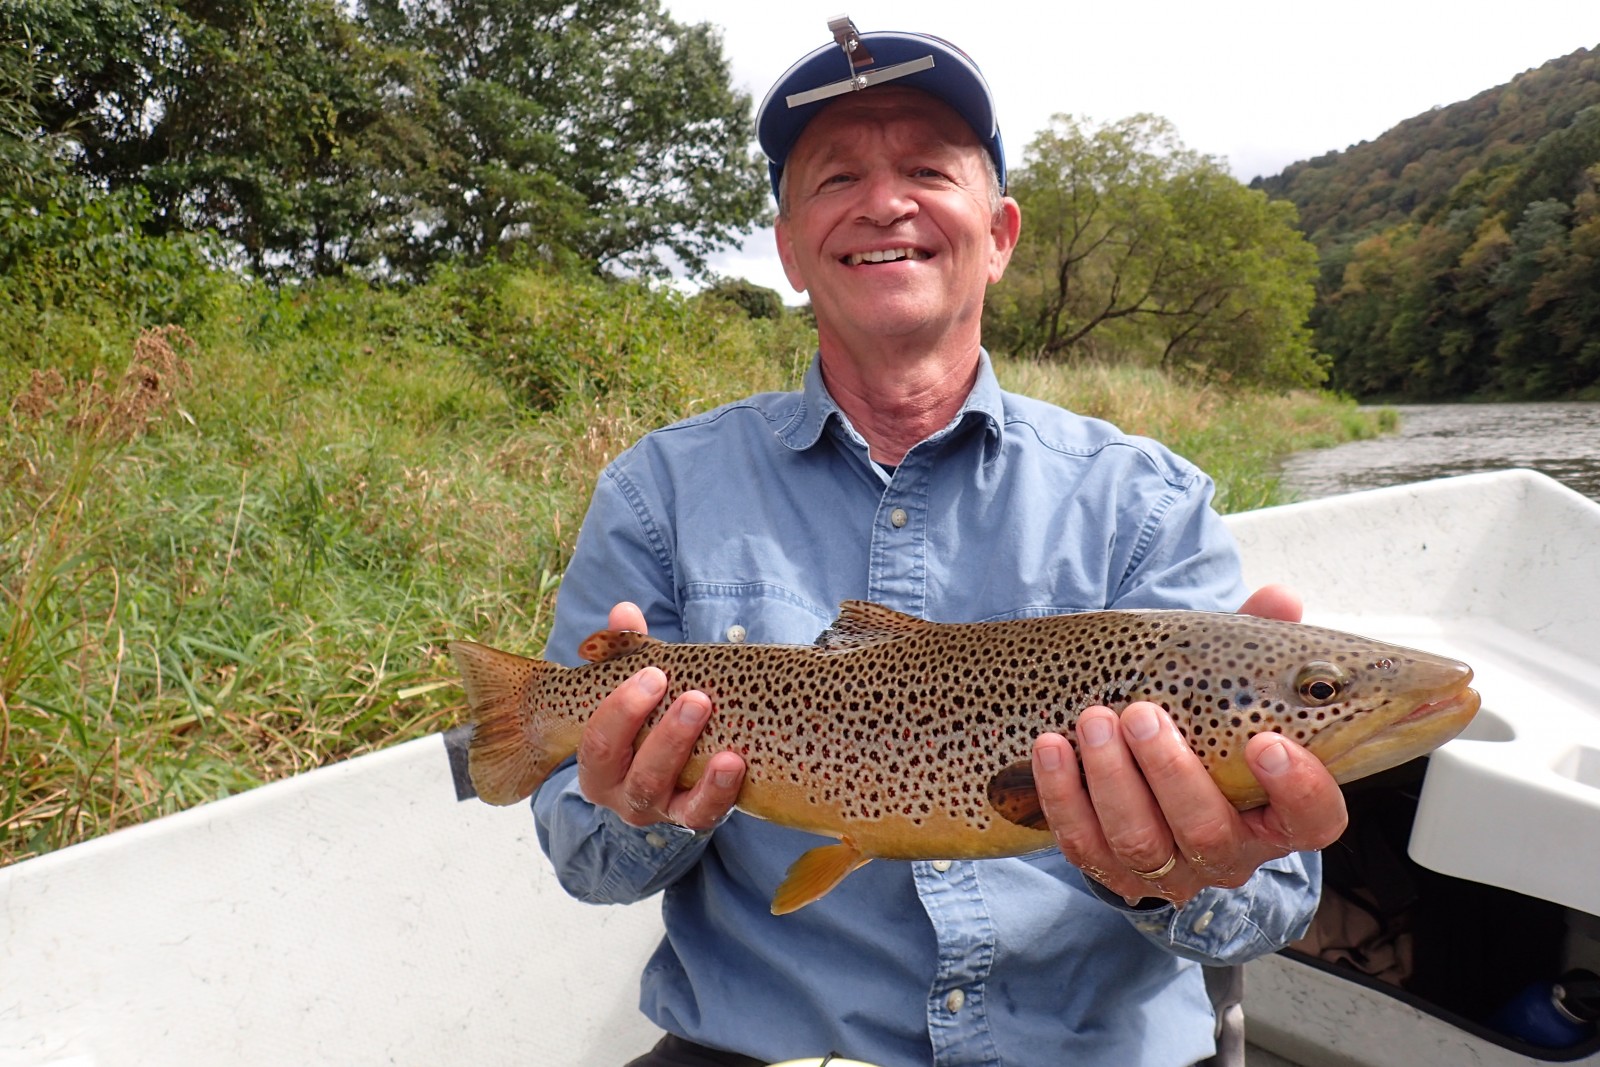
{"x":791,"y":264}
{"x":1004,"y":229}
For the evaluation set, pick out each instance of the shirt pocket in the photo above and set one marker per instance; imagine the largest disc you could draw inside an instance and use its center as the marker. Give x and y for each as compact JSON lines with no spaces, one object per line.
{"x":752,"y":613}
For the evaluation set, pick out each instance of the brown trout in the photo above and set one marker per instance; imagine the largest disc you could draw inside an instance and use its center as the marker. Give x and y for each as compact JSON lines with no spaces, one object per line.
{"x":907,"y":739}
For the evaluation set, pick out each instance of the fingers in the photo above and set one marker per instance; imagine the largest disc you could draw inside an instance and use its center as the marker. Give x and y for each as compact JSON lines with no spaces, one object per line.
{"x":1305,"y":807}
{"x":1205,"y":829}
{"x":1109,"y":823}
{"x":712,"y":797}
{"x":1070,"y":812}
{"x":626,"y":616}
{"x":605,"y":750}
{"x":639,"y":779}
{"x":1131,"y":820}
{"x":1145,"y":803}
{"x":1273,"y":602}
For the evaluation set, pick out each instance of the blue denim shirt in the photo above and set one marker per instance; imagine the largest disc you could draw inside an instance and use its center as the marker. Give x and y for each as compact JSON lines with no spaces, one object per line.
{"x":757,"y":519}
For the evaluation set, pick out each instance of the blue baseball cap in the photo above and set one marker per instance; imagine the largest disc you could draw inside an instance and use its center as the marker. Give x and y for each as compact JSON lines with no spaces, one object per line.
{"x":857,"y":61}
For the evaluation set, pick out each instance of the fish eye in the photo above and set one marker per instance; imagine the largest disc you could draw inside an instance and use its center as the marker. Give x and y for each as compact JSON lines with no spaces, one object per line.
{"x":1320,"y":683}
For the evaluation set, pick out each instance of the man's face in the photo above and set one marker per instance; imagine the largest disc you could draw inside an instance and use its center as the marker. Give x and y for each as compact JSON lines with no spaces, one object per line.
{"x":890,"y":223}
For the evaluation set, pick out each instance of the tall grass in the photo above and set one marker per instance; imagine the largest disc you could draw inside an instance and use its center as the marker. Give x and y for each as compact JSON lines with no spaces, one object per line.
{"x":1236,"y":437}
{"x":234,"y":552}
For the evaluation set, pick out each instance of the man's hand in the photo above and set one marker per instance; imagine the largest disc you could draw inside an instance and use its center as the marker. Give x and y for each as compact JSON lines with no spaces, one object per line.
{"x":1149,"y":799}
{"x":642,"y":786}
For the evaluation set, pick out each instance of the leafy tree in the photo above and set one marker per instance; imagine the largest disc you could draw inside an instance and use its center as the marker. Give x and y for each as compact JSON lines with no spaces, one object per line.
{"x":82,"y":70}
{"x":290,"y":133}
{"x":318,"y":135}
{"x":1548,"y":306}
{"x":271,"y":122}
{"x":755,"y":301}
{"x":1134,"y":245}
{"x":602,"y":126}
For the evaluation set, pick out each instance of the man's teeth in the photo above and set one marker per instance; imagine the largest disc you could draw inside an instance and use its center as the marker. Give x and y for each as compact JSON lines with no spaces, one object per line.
{"x":887,"y":255}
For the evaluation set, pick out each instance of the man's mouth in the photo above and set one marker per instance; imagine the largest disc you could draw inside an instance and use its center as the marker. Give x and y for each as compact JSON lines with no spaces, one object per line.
{"x":884,"y":255}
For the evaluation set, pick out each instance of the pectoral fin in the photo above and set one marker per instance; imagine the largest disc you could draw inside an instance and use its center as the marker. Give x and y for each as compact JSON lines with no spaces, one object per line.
{"x":814,"y":873}
{"x":1014,"y":794}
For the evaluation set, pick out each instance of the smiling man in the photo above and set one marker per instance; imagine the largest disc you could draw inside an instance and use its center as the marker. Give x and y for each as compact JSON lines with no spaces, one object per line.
{"x":903,"y":474}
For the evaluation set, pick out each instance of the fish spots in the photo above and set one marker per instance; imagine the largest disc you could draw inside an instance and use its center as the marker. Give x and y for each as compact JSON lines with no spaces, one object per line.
{"x":910,"y":723}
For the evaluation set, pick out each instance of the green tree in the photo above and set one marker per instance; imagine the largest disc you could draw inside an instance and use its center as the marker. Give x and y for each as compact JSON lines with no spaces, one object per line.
{"x":290,"y":133}
{"x":318,"y":135}
{"x":1548,"y":305}
{"x":1136,"y":246}
{"x":602,"y":127}
{"x":272,"y":122}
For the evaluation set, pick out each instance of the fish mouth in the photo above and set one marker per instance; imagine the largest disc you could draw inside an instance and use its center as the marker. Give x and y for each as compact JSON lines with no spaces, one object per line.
{"x":1464,"y":703}
{"x":1423,"y":729}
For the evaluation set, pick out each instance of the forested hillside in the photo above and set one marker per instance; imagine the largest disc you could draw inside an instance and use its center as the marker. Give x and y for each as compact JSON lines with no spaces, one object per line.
{"x":1461,"y":249}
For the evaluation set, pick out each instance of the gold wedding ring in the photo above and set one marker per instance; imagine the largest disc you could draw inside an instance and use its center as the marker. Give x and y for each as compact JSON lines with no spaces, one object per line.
{"x":1161,"y":871}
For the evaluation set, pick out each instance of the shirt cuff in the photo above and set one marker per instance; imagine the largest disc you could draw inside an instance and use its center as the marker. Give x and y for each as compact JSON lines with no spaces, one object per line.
{"x":642,"y":854}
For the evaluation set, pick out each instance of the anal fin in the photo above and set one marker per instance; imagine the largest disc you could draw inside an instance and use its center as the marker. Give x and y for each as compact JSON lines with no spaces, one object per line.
{"x":1015,"y":795}
{"x":815,"y":873}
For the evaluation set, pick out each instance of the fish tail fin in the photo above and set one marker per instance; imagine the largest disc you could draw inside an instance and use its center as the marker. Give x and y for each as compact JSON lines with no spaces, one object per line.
{"x":815,"y":873}
{"x":509,"y":755}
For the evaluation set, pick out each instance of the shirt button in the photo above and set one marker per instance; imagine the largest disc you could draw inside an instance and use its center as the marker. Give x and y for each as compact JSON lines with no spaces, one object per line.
{"x":898,"y":518}
{"x":655,"y":840}
{"x":941,"y":865}
{"x":736,"y":634}
{"x":954,"y":1001}
{"x":1204,"y":921}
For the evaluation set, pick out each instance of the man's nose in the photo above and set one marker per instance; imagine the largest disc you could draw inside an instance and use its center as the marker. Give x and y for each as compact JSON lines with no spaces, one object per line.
{"x":886,"y":198}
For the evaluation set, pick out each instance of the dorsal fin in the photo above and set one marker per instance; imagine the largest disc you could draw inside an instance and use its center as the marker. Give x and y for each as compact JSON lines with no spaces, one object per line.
{"x":609,"y":644}
{"x":862,"y":623}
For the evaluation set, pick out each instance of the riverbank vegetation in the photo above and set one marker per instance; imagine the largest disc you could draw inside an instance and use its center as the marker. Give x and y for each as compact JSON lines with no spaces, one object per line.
{"x":232,"y":550}
{"x":315,"y":337}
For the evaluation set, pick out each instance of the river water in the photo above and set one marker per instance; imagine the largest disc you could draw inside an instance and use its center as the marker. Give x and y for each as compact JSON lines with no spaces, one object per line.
{"x":1437,"y":440}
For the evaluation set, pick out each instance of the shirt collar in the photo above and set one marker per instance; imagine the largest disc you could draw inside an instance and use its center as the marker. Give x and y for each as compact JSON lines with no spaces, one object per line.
{"x":985,"y":403}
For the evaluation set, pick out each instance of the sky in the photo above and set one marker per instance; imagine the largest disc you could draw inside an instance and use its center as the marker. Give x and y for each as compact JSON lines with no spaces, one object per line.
{"x":1260,"y":84}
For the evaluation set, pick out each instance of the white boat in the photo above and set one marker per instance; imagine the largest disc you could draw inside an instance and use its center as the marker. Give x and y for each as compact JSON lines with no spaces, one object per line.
{"x":1501,"y":570}
{"x":362,"y":913}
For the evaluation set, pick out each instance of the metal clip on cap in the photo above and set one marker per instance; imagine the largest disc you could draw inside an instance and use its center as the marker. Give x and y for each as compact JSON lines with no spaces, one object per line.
{"x":859,"y":57}
{"x":849,"y":38}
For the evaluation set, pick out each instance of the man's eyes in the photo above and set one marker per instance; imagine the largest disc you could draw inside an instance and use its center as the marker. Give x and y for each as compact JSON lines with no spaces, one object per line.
{"x":924,"y":173}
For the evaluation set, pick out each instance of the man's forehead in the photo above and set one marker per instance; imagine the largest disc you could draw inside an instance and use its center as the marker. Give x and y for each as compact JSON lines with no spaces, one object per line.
{"x":918,"y":118}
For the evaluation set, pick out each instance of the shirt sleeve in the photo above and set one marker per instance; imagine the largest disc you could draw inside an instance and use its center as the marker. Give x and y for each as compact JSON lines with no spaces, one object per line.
{"x":1183,"y":555}
{"x":1222,"y":927}
{"x":621,"y":555}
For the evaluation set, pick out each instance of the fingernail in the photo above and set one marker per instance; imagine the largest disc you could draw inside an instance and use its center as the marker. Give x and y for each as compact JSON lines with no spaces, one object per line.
{"x":651,"y":682}
{"x":1142,"y":723}
{"x":1274,"y":758}
{"x":1050,"y":758}
{"x":1094,"y":732}
{"x":690,"y":712}
{"x":724,"y":778}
